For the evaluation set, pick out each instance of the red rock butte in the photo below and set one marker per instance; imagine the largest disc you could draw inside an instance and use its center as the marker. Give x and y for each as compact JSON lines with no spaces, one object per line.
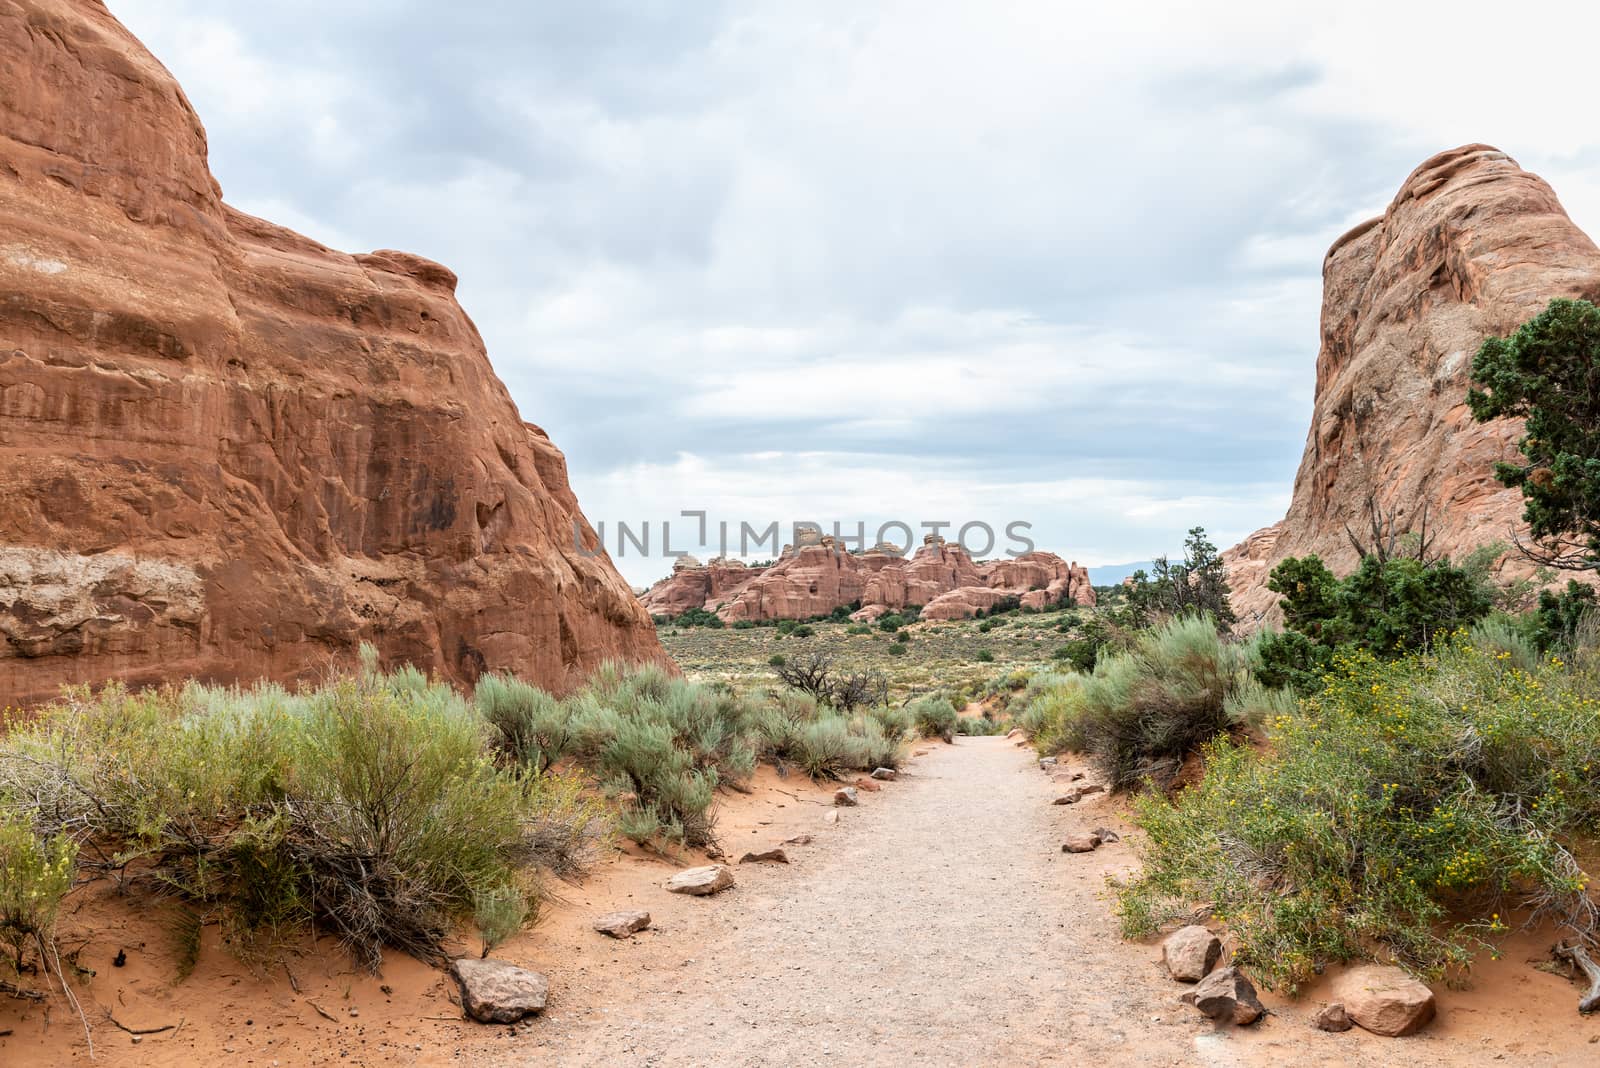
{"x":818,"y":576}
{"x":1472,"y":246}
{"x":227,"y":451}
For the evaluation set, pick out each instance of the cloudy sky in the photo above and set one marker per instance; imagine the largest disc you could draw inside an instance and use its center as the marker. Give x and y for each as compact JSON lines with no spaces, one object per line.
{"x":861,"y":261}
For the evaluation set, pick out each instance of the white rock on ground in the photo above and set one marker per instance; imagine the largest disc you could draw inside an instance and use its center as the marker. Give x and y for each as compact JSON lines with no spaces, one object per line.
{"x":622,"y":924}
{"x":711,"y":879}
{"x":495,"y":991}
{"x":1081,"y":842}
{"x":1190,"y":953}
{"x":886,"y":774}
{"x":846,"y":796}
{"x":1384,"y":1000}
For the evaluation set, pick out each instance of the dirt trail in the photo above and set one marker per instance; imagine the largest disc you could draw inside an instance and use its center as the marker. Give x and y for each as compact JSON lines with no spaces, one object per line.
{"x":938,"y":924}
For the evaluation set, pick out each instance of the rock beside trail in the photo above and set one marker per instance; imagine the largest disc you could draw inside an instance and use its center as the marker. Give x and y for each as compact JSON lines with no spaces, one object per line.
{"x":1078,"y":793}
{"x":1332,"y":1018}
{"x":1226,"y":996}
{"x":846,"y":797}
{"x":1190,"y":953}
{"x":495,"y":991}
{"x":831,"y":816}
{"x":698,"y":882}
{"x":800,"y":839}
{"x":766,"y":856}
{"x":622,"y":924}
{"x":864,"y":783}
{"x":885,"y":774}
{"x":1384,"y":1000}
{"x":1046,"y":763}
{"x":1081,"y":842}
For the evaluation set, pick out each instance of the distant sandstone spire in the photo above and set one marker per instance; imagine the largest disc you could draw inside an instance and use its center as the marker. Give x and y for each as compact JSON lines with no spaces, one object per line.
{"x":228,"y":451}
{"x":1471,"y":246}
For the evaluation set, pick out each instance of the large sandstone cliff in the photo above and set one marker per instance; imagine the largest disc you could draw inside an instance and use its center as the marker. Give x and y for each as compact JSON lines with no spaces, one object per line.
{"x":1472,"y":245}
{"x":228,"y":451}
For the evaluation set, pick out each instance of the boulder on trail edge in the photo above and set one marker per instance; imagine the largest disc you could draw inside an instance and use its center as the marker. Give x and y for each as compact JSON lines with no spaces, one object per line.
{"x":1332,"y":1018}
{"x":769,"y":856}
{"x":1082,"y":842}
{"x":1046,"y":763}
{"x":885,"y":774}
{"x":1190,"y":953}
{"x":864,"y":783}
{"x":1227,"y":997}
{"x":495,"y":991}
{"x":1384,"y":1000}
{"x":622,"y":924}
{"x":711,"y":879}
{"x":846,"y":796}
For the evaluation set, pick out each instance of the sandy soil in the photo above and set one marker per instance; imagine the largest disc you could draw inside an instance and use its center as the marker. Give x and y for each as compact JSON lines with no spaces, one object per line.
{"x":936,"y":924}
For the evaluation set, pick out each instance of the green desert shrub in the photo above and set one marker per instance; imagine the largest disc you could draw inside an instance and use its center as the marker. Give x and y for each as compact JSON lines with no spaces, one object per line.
{"x":934,"y":717}
{"x":663,"y":744}
{"x":882,"y":741}
{"x":35,"y":874}
{"x":984,"y":657}
{"x":858,"y":628}
{"x":1144,"y":711}
{"x":1406,"y":811}
{"x":1051,"y":709}
{"x":371,"y":805}
{"x":533,"y":726}
{"x":978,"y":726}
{"x":898,"y":649}
{"x":895,"y":722}
{"x":827,"y":748}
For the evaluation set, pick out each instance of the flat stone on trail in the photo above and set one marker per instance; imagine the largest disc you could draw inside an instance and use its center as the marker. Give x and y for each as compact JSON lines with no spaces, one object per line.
{"x":1190,"y":953}
{"x":885,"y":774}
{"x":799,"y":839}
{"x":496,"y":991}
{"x":831,"y":816}
{"x":1082,"y":842}
{"x":711,"y":879}
{"x":846,"y":796}
{"x":864,"y":783}
{"x":1078,"y":793}
{"x":1384,"y":1000}
{"x":1226,"y":996}
{"x":1332,"y":1018}
{"x":769,"y":856}
{"x":622,"y":924}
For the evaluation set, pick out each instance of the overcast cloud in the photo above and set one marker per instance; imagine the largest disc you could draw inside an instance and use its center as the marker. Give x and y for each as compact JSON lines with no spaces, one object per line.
{"x":862,"y":261}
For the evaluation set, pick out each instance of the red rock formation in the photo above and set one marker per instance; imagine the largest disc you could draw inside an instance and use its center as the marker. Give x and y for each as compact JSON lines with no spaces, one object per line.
{"x":819,"y":576}
{"x":231,"y":452}
{"x":1472,"y":246}
{"x":695,"y":585}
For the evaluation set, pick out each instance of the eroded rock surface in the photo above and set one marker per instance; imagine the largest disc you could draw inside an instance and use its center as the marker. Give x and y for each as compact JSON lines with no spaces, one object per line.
{"x":229,"y":451}
{"x":819,"y":575}
{"x":1471,"y":246}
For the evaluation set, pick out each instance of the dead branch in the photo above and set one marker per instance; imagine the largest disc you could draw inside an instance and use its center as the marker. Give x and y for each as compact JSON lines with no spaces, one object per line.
{"x":143,"y":1030}
{"x":22,"y":992}
{"x":1591,"y":971}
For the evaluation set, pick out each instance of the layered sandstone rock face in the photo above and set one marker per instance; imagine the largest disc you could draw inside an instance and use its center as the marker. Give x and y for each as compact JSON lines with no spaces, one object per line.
{"x":227,"y":451}
{"x":819,"y":575}
{"x":1472,"y":246}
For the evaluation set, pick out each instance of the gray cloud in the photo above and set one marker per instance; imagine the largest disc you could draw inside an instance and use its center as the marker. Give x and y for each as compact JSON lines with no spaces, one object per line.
{"x":993,"y":255}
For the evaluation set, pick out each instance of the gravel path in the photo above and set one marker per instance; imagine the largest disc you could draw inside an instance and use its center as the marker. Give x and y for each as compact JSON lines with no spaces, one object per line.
{"x":938,"y":924}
